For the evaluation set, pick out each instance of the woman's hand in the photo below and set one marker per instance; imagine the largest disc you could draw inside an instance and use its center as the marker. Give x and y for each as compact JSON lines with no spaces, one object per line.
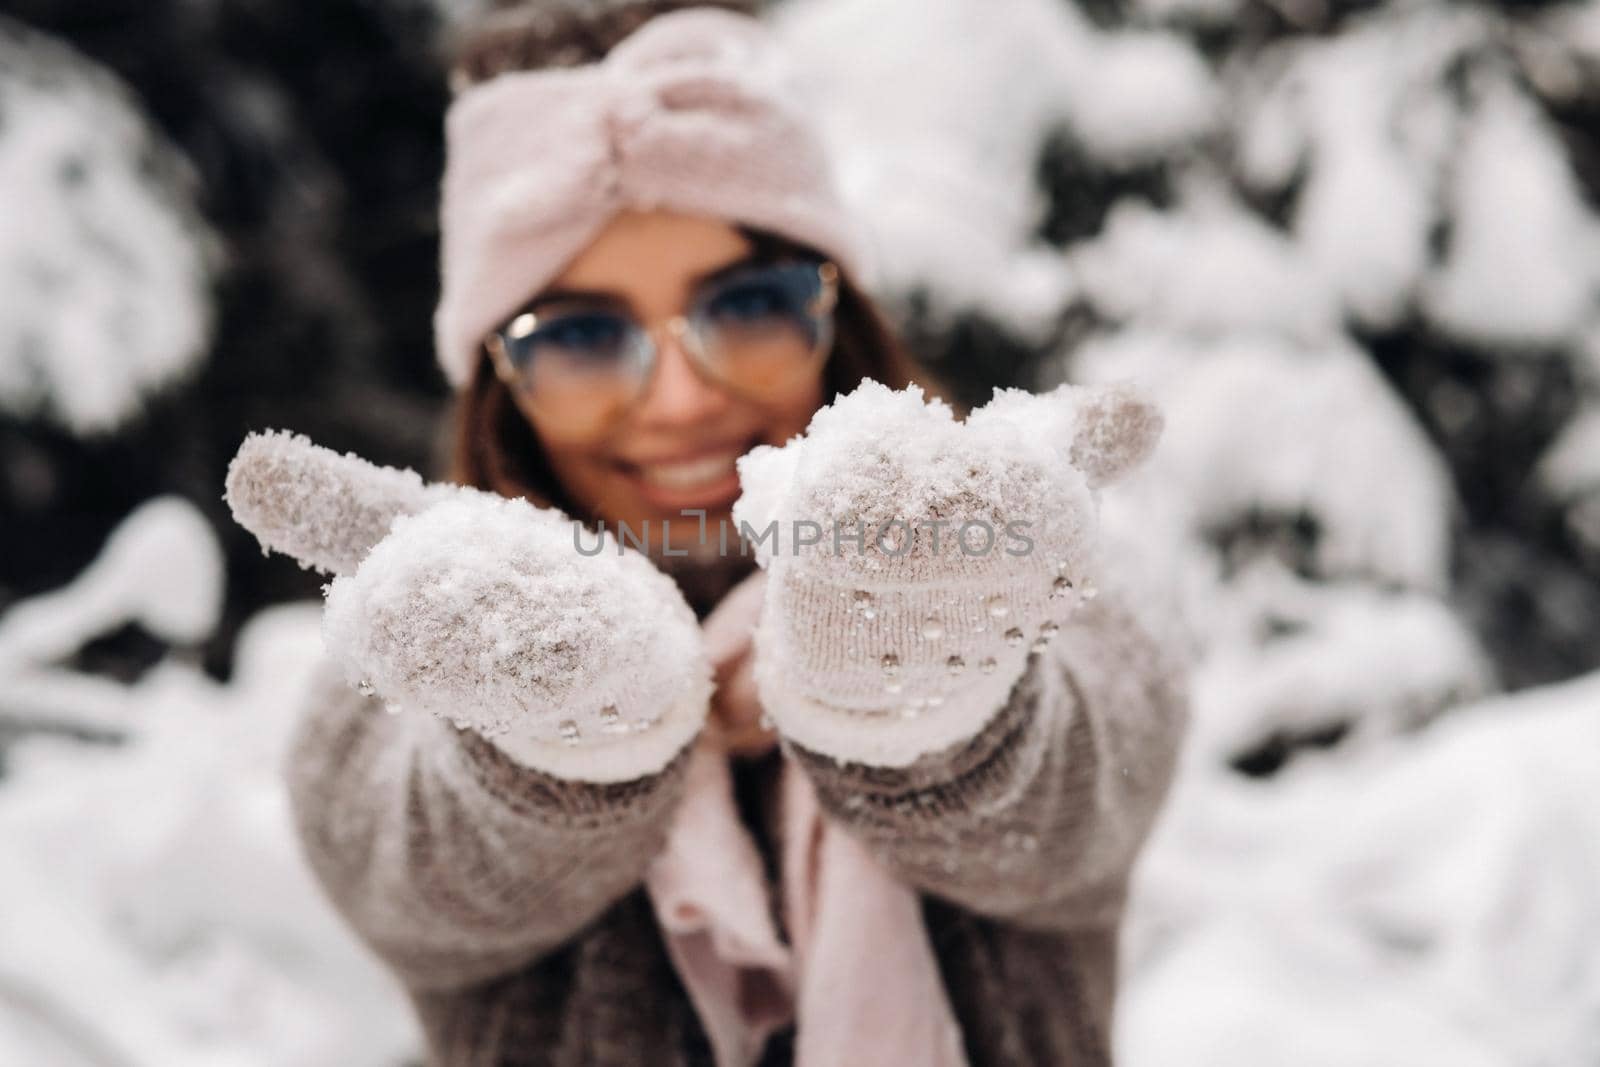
{"x":917,"y":561}
{"x":483,"y":611}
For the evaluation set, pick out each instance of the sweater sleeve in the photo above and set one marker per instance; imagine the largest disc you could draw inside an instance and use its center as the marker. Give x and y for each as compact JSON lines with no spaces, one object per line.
{"x":454,"y":862}
{"x":1038,"y":817}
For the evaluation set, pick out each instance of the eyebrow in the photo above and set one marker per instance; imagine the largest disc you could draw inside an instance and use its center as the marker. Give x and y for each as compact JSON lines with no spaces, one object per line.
{"x":609,"y":296}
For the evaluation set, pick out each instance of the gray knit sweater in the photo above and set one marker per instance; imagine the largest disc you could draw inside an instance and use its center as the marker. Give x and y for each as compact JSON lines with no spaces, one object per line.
{"x":510,"y":902}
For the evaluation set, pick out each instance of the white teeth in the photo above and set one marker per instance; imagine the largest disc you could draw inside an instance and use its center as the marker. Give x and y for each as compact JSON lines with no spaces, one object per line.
{"x":690,"y":474}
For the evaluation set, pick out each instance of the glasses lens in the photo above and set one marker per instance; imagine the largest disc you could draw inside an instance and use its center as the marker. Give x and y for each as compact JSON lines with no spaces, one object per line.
{"x":764,"y":327}
{"x":578,"y":368}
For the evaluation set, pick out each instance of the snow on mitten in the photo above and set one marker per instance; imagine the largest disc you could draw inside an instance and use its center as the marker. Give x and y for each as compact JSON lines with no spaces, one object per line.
{"x":914,"y":562}
{"x":323,"y":509}
{"x":483,"y":611}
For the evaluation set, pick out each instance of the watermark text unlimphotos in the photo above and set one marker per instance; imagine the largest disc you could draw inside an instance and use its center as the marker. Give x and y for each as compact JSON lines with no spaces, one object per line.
{"x":894,"y":537}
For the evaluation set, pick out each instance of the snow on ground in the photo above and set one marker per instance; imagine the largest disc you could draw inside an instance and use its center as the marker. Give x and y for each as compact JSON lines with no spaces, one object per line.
{"x":1434,"y":901}
{"x":154,"y":909}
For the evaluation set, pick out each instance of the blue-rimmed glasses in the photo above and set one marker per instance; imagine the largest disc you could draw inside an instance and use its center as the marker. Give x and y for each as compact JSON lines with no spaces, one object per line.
{"x":581,"y":363}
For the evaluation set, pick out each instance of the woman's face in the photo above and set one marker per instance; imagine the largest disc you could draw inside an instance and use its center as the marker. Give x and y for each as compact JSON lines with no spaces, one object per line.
{"x":675,"y":448}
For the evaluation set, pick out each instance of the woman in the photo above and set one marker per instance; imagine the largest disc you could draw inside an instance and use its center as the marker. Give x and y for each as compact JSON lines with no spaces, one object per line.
{"x":649,"y":286}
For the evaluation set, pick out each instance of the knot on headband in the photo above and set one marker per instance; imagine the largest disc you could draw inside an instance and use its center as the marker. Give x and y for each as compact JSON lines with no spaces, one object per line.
{"x":698,"y":88}
{"x":694,"y":112}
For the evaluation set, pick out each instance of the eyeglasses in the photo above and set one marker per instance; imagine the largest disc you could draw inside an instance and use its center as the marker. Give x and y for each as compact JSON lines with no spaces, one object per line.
{"x":755,"y":330}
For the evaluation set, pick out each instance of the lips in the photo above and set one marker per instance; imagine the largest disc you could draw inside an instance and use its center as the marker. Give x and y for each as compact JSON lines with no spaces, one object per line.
{"x":689,"y":474}
{"x":703,"y":478}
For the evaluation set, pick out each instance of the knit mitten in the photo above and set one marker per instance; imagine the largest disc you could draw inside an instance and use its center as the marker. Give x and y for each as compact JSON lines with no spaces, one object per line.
{"x":915,"y":562}
{"x":482,"y":610}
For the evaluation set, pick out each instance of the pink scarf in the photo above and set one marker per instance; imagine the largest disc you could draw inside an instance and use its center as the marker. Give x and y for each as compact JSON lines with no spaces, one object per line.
{"x":860,"y":978}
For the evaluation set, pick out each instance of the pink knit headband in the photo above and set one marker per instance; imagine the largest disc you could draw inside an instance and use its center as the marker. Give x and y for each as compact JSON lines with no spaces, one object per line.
{"x":691,"y":113}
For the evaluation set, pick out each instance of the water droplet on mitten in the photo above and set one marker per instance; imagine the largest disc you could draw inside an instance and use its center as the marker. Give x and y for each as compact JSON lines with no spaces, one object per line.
{"x":568,"y":731}
{"x":933,"y":628}
{"x":890,"y":664}
{"x":998,"y":607}
{"x":1061,"y":586}
{"x":1018,"y":840}
{"x":988,"y":666}
{"x":1014,"y":637}
{"x":955,"y":665}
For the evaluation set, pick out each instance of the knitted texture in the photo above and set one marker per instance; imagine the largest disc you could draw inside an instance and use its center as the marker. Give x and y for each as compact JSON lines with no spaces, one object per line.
{"x":916,"y":562}
{"x":694,"y":112}
{"x":500,"y":878}
{"x":482,"y":610}
{"x":509,"y":901}
{"x":321,"y":508}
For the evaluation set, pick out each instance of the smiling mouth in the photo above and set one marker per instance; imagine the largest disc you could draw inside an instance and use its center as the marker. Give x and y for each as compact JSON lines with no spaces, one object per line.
{"x":710,"y":474}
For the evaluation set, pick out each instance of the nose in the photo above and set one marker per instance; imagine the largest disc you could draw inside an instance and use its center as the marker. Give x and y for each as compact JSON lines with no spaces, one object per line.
{"x":678,"y":394}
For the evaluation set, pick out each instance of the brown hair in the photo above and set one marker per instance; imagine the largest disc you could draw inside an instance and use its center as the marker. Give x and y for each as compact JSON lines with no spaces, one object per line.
{"x":493,"y":446}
